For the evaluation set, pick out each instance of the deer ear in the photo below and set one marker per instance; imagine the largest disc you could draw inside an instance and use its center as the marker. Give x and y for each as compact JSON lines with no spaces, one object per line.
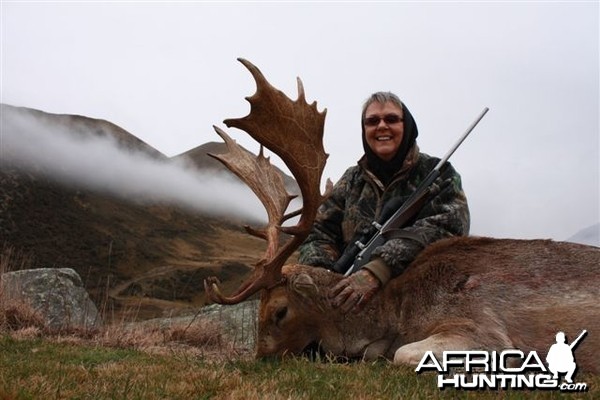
{"x":304,"y":285}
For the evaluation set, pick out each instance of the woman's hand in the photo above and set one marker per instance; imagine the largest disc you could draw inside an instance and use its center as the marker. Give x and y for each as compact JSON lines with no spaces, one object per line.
{"x":354,"y":291}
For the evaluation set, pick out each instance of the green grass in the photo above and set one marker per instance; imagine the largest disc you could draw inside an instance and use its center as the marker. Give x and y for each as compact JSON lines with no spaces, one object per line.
{"x":47,"y":369}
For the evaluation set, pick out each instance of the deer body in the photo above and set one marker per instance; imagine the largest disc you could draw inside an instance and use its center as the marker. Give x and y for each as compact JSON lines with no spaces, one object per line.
{"x":459,"y":294}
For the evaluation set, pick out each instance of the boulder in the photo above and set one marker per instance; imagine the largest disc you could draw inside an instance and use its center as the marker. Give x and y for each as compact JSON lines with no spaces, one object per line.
{"x":57,"y":294}
{"x":239,"y":322}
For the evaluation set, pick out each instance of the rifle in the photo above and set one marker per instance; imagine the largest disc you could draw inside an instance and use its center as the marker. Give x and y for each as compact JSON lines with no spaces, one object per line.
{"x":359,"y":253}
{"x":576,"y":341}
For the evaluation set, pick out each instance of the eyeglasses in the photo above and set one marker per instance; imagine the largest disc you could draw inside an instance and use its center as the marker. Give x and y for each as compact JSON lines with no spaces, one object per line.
{"x":389,"y":119}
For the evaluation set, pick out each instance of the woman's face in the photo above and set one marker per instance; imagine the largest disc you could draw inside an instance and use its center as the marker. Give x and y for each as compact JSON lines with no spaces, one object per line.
{"x":384,"y":129}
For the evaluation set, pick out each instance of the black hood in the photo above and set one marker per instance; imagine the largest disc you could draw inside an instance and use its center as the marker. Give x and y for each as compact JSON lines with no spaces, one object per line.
{"x":385,"y":170}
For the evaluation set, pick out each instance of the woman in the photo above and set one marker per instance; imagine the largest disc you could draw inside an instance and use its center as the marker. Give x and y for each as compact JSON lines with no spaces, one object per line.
{"x":388,"y":173}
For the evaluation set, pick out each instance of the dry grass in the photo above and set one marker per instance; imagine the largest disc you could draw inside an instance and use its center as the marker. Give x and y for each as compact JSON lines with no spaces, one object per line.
{"x":14,"y":260}
{"x":15,"y":316}
{"x":201,"y":337}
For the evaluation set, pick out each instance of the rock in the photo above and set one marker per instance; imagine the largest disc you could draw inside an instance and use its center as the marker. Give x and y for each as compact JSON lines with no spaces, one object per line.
{"x":239,"y":322}
{"x":57,"y":294}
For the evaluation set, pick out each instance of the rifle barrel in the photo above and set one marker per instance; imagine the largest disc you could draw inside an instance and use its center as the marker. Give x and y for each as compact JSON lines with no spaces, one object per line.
{"x":581,"y":335}
{"x":462,"y":139}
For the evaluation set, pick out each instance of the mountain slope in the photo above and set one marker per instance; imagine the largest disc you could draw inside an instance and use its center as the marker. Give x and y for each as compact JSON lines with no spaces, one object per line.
{"x":198,"y":157}
{"x":150,"y":256}
{"x":80,"y":126}
{"x":589,"y":236}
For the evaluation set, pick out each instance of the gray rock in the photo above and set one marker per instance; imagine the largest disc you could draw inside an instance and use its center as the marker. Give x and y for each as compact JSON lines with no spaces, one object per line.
{"x":239,"y":322}
{"x":57,"y":294}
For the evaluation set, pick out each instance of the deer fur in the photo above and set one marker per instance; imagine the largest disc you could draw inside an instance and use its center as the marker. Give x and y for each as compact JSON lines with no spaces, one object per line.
{"x":462,"y":293}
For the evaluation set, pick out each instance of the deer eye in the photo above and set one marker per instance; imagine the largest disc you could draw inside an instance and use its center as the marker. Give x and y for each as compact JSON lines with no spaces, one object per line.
{"x":280,"y":314}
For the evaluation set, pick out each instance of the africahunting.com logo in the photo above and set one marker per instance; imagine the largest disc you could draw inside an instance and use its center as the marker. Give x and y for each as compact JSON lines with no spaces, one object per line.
{"x":509,"y":369}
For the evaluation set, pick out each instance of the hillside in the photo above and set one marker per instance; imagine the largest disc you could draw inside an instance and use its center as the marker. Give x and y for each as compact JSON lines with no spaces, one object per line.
{"x":81,"y":126}
{"x":198,"y":156}
{"x":149,"y":256}
{"x":589,"y":236}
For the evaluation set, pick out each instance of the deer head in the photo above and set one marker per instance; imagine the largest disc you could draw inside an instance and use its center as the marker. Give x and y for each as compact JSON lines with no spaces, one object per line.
{"x":293,"y":130}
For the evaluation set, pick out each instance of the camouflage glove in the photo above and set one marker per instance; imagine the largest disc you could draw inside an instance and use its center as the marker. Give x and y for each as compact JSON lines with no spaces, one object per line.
{"x":354,"y":291}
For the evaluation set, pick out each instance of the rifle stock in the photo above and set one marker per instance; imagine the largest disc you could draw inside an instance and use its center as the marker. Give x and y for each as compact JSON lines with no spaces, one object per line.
{"x":357,"y":254}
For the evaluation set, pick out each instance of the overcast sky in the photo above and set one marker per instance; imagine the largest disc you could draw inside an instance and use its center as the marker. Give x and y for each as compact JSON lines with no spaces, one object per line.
{"x":167,"y":72}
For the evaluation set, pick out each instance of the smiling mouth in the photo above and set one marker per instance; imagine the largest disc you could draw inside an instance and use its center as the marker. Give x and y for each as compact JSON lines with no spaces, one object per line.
{"x":383,"y":138}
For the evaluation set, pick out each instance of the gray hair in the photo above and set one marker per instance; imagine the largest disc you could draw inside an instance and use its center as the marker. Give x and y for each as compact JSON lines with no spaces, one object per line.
{"x":381,"y":97}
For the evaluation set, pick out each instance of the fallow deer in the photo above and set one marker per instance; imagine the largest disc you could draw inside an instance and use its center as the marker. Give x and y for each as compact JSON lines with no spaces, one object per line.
{"x":459,"y":294}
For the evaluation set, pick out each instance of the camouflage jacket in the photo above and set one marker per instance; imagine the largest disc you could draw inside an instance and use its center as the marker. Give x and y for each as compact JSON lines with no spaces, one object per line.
{"x":358,"y":199}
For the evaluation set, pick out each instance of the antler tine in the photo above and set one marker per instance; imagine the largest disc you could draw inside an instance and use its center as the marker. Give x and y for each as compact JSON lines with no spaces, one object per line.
{"x":268,"y":185}
{"x":258,"y":174}
{"x":301,"y":95}
{"x":298,"y":140}
{"x":293,"y":130}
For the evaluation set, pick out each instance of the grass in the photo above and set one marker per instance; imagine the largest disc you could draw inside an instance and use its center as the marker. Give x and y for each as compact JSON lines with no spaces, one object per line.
{"x":195,"y":361}
{"x":40,"y":368}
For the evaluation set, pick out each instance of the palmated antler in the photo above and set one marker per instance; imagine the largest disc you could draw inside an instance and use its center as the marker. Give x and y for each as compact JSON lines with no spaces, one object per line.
{"x":293,"y":130}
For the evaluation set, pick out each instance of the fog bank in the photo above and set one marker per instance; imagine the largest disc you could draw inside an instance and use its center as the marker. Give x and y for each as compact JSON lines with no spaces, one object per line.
{"x":101,"y":164}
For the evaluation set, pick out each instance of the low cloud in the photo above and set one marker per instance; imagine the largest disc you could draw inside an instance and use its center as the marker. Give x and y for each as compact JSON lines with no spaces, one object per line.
{"x":99,"y":163}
